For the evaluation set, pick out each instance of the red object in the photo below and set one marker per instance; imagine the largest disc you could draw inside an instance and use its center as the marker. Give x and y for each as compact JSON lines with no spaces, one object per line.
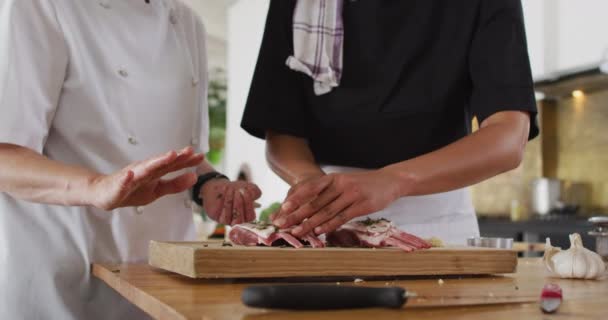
{"x":551,"y":290}
{"x":375,"y":234}
{"x":248,"y":234}
{"x":550,"y":298}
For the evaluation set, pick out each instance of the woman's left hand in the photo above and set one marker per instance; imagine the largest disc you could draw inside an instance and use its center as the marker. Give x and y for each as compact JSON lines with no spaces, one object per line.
{"x":230,"y":202}
{"x":346,"y":196}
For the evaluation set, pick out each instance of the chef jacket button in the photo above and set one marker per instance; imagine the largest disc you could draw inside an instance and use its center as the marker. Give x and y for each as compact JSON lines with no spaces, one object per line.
{"x":188,"y":203}
{"x":194,"y":82}
{"x":105,"y":5}
{"x":139,"y":210}
{"x":123,"y":73}
{"x":194,"y":141}
{"x":132,"y":140}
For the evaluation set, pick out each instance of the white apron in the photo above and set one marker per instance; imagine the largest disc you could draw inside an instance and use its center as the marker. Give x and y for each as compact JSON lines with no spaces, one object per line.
{"x":449,"y":216}
{"x":98,"y":84}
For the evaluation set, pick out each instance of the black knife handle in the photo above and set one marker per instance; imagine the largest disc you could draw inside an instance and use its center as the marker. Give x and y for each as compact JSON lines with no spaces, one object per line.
{"x":322,"y":297}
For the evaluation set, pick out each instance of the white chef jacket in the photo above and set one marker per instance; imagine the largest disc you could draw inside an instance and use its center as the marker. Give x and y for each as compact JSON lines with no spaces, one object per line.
{"x":99,"y":84}
{"x":449,"y":216}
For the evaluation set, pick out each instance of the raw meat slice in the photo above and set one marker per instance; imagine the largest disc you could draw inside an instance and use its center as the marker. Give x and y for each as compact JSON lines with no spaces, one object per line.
{"x":375,"y":234}
{"x":251,"y":234}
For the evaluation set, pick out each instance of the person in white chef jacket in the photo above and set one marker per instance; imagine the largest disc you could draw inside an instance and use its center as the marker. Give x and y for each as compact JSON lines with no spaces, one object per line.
{"x":88,"y":90}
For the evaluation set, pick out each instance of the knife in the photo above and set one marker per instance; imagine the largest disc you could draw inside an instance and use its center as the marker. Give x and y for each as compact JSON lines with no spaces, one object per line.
{"x":329,"y":297}
{"x":323,"y":297}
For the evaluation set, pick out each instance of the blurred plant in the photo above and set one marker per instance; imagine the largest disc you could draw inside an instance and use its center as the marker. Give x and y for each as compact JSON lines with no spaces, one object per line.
{"x":217,"y":115}
{"x":265,"y":214}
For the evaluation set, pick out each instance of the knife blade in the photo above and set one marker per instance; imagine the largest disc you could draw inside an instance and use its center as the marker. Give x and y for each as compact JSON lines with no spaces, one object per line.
{"x":329,"y":297}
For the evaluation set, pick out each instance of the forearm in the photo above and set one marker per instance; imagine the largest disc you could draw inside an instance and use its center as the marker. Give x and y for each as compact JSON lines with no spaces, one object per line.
{"x":27,"y":175}
{"x":495,"y":148}
{"x":290,"y":158}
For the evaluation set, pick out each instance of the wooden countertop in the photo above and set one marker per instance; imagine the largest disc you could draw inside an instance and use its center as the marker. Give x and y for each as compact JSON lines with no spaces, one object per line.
{"x":165,"y":295}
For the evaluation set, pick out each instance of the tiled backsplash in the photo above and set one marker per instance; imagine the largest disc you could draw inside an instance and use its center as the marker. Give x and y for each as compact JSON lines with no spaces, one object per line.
{"x":582,"y":145}
{"x":494,"y":196}
{"x":580,"y":156}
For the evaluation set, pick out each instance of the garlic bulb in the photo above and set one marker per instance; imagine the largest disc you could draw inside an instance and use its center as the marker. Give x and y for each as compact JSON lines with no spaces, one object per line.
{"x":576,"y":262}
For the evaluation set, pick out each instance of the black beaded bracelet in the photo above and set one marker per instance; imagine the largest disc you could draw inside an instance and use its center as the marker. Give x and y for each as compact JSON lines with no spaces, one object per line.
{"x":202,"y":179}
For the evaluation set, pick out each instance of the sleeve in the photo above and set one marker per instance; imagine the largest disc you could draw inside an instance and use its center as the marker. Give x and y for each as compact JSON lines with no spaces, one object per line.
{"x":499,"y":63}
{"x":33,"y":62}
{"x":277,"y":100}
{"x":204,"y":121}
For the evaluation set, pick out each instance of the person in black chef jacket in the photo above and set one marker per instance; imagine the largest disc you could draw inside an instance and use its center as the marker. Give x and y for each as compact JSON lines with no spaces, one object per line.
{"x":394,"y":138}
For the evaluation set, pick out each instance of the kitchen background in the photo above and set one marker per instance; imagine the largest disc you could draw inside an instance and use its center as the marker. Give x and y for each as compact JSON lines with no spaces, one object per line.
{"x":567,"y":45}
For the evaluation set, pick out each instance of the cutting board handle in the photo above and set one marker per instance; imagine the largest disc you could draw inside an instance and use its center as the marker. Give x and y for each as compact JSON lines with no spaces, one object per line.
{"x":322,"y":297}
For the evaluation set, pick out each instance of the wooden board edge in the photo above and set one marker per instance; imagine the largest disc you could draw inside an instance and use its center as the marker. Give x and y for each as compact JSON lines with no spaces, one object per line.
{"x":184,"y":259}
{"x":151,"y":305}
{"x":178,"y":259}
{"x":264,"y":268}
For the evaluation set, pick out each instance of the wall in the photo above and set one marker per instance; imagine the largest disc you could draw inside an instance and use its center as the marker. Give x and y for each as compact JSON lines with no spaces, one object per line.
{"x":582,"y":145}
{"x":213,"y":14}
{"x":245,"y":28}
{"x":565,"y":34}
{"x":582,"y":32}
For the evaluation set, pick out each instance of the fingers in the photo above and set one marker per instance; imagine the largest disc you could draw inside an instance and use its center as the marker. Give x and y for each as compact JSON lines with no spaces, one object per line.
{"x":248,"y":205}
{"x":189,"y":161}
{"x":226,"y":216}
{"x":307,"y":210}
{"x":273,"y":216}
{"x":214,"y":202}
{"x":323,"y":215}
{"x":238,"y":209}
{"x":254,"y":191}
{"x":157,"y":167}
{"x":339,"y":219}
{"x":183,"y":161}
{"x":176,"y":185}
{"x":148,"y":167}
{"x":302,"y":194}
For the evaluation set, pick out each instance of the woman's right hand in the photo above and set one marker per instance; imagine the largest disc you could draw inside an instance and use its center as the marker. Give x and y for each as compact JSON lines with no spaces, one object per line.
{"x":141,"y":183}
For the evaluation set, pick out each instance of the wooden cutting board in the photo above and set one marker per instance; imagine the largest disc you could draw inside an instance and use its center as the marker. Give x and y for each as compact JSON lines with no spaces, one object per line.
{"x":213,"y":260}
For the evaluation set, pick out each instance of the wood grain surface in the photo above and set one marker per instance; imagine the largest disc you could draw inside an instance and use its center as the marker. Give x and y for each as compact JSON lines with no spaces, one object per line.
{"x":212,"y":260}
{"x":166,"y":295}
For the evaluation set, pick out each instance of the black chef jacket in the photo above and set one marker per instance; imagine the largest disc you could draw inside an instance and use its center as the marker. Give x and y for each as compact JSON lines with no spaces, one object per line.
{"x":415,"y":74}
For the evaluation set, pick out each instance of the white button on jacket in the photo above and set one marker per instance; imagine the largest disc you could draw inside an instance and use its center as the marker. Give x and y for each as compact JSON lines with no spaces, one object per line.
{"x":100,"y":84}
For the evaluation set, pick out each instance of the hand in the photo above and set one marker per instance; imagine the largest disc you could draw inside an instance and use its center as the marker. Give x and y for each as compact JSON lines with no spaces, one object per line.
{"x":140,"y":183}
{"x":324,"y":204}
{"x":229,"y":202}
{"x":302,"y":182}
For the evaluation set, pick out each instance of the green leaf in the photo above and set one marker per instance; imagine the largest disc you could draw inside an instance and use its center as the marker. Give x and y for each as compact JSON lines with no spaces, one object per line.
{"x":265,"y":214}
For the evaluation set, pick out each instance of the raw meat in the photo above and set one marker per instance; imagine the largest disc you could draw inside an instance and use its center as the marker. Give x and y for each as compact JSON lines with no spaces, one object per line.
{"x":252,"y":234}
{"x":375,"y":234}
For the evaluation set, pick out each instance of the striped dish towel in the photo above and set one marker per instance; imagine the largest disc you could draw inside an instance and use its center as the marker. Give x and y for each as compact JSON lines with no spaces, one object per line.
{"x":318,"y":35}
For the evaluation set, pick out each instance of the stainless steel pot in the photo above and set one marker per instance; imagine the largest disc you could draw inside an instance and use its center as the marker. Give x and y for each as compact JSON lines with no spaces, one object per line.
{"x":554,"y":195}
{"x":601,"y":235}
{"x":545,"y":195}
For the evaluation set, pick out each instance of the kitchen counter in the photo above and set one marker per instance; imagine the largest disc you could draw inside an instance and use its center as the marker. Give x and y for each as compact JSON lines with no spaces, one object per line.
{"x":165,"y":295}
